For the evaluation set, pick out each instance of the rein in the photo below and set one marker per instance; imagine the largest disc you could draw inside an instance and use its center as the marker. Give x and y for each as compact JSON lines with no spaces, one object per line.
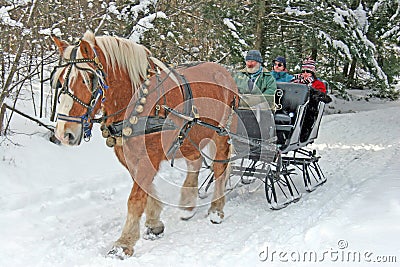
{"x":137,"y":125}
{"x":255,"y":144}
{"x":134,"y":125}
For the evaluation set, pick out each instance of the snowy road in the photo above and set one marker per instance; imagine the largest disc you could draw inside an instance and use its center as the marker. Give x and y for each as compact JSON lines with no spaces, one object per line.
{"x":63,"y":206}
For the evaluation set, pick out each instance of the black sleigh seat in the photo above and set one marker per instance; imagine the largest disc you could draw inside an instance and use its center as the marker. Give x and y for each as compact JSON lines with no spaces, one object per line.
{"x":255,"y":125}
{"x":315,"y":128}
{"x":289,"y":116}
{"x":256,"y":121}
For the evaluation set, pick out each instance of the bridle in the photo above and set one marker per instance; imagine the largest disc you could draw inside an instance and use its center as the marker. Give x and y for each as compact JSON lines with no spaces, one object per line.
{"x":97,"y":90}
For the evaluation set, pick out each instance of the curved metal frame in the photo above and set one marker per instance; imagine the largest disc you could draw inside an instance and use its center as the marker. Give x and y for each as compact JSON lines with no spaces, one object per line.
{"x":291,"y":160}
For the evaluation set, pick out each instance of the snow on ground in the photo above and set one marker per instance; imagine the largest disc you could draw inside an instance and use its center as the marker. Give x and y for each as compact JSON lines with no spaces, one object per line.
{"x":64,"y":206}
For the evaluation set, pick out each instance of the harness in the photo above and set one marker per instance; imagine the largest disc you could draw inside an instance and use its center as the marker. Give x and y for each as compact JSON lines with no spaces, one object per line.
{"x":136,"y":125}
{"x":97,"y":90}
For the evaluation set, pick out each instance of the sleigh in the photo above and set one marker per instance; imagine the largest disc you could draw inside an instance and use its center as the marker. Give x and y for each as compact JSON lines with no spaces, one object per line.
{"x":287,"y":165}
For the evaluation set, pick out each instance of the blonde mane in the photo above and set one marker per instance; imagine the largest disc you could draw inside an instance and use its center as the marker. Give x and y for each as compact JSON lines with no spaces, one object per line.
{"x":120,"y":53}
{"x":123,"y":53}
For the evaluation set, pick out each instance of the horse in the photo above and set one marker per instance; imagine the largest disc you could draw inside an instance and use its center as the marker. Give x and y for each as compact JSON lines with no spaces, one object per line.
{"x":146,"y":110}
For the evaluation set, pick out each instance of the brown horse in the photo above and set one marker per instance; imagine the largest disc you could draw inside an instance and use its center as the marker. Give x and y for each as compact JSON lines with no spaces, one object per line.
{"x":147,"y":112}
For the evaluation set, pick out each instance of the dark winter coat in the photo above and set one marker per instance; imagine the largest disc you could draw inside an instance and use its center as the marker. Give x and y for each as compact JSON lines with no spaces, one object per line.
{"x":263,"y":83}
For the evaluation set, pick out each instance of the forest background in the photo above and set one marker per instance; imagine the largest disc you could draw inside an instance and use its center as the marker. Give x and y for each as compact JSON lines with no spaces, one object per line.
{"x":355,"y":42}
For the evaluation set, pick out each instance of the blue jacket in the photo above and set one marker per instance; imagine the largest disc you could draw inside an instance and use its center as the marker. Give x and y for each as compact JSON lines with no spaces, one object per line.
{"x":282,"y":76}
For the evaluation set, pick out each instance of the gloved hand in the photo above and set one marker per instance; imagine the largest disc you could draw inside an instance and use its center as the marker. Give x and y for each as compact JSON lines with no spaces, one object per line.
{"x":317,"y":96}
{"x":326,"y":99}
{"x":296,"y":78}
{"x":308,"y":80}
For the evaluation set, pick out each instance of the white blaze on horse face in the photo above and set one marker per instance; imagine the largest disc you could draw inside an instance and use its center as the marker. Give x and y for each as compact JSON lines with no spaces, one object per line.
{"x":64,"y":108}
{"x":66,"y":103}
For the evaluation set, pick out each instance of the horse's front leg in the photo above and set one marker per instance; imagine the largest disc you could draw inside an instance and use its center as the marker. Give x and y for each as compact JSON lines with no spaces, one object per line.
{"x":123,"y":247}
{"x":141,"y":199}
{"x":221,"y":173}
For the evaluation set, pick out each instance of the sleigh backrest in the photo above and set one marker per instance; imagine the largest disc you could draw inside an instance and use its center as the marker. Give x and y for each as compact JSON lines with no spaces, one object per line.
{"x":290,"y":115}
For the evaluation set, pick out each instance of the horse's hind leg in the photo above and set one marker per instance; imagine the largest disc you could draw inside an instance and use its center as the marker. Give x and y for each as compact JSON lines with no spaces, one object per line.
{"x":221,"y":172}
{"x":189,"y":190}
{"x":154,"y":226}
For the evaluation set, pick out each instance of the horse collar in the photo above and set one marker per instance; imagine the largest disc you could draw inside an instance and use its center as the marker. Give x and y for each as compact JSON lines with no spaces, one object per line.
{"x":137,"y":125}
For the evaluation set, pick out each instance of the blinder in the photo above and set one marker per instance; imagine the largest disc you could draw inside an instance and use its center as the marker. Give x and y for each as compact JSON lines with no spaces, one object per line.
{"x":97,"y":89}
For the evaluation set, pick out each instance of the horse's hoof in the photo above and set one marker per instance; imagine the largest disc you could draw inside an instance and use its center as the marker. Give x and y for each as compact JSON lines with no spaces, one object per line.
{"x":186,"y":214}
{"x":216,"y":217}
{"x":154,"y":233}
{"x":120,"y":253}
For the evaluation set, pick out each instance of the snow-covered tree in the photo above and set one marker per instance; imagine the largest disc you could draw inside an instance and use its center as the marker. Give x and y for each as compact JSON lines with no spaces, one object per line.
{"x":356,"y":42}
{"x":349,"y":38}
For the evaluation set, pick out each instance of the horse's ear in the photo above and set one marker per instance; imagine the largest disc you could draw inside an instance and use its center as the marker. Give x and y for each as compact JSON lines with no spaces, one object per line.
{"x":62,"y":45}
{"x":86,"y":49}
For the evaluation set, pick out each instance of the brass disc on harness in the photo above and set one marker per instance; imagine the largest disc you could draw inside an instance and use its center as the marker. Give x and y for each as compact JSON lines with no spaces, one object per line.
{"x":119,"y":141}
{"x":133,"y":120}
{"x":147,"y":82}
{"x":139,"y":109}
{"x":143,"y":100}
{"x":127,"y":131}
{"x":110,"y":141}
{"x":145,"y":91}
{"x":105,"y":132}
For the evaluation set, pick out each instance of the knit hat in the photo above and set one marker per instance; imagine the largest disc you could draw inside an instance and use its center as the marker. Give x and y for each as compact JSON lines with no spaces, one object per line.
{"x":281,"y":60}
{"x":309,"y":64}
{"x":254,"y":55}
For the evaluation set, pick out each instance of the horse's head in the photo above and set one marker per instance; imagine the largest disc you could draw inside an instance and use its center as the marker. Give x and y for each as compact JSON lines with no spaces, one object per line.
{"x":81,"y":82}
